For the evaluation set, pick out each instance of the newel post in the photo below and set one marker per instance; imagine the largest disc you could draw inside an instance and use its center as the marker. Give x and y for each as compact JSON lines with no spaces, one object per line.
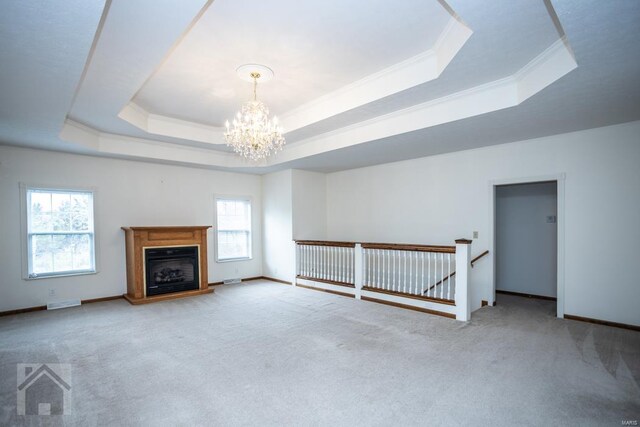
{"x":296,"y":262}
{"x":358,"y":270}
{"x":463,"y":264}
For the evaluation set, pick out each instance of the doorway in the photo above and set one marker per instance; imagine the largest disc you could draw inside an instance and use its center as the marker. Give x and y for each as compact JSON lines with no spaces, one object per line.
{"x":527,"y":239}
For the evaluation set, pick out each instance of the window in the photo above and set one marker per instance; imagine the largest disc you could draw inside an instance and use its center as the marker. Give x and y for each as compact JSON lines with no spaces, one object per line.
{"x":60,"y":232}
{"x":233,"y":229}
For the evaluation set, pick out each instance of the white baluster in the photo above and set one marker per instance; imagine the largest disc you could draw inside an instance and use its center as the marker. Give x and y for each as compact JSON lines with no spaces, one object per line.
{"x":377,"y":268}
{"x":373,"y":268}
{"x":365,"y":266}
{"x":411,"y":277}
{"x":449,"y":280}
{"x":352,"y":267}
{"x":338,"y":278}
{"x":395,"y":284}
{"x":335,"y":264}
{"x":404,"y":273}
{"x":315,"y":261}
{"x":385,"y":268}
{"x":417,"y":272}
{"x":329,"y":272}
{"x":339,"y":264}
{"x":331,"y":263}
{"x":345,"y":251}
{"x":429,"y":275}
{"x":422,"y":279}
{"x":372,"y":265}
{"x":441,"y":273}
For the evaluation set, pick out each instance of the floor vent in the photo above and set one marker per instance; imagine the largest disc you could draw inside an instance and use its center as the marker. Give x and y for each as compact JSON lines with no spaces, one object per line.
{"x":231,"y":281}
{"x":63,"y":304}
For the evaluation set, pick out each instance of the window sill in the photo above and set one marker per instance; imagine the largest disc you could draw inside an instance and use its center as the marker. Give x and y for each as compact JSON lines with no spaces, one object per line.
{"x":234,"y":259}
{"x":53,"y":276}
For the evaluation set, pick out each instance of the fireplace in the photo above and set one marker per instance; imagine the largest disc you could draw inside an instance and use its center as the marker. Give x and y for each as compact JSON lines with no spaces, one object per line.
{"x":171,"y":269}
{"x":165,"y":263}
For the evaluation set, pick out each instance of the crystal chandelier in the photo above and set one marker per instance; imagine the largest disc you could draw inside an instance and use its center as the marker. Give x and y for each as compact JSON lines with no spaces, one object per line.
{"x":252,"y":134}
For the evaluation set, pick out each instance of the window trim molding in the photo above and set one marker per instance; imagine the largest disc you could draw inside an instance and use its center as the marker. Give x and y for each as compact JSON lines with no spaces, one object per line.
{"x":24,"y":229}
{"x":249,"y":199}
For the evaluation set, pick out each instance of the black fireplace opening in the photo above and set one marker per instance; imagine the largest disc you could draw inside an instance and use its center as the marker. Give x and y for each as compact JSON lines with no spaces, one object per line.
{"x":171,"y":269}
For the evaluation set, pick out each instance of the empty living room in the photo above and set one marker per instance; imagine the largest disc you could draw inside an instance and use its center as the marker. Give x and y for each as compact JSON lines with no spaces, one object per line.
{"x":319,"y":213}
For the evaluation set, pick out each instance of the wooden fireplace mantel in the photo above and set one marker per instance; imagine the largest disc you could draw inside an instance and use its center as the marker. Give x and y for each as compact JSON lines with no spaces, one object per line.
{"x":139,"y":238}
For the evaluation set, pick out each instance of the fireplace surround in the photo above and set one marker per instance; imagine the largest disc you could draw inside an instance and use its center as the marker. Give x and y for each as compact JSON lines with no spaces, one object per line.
{"x":165,"y":263}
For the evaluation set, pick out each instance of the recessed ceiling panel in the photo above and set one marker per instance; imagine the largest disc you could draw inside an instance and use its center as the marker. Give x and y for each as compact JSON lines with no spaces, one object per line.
{"x":313,"y":48}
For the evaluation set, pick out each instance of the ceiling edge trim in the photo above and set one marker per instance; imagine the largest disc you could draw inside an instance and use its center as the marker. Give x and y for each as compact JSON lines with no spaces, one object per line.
{"x":169,"y":126}
{"x":552,"y":64}
{"x":107,"y":143}
{"x":412,"y":72}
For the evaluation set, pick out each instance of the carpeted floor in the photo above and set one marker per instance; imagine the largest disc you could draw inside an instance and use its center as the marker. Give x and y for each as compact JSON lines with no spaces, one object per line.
{"x":262,"y":353}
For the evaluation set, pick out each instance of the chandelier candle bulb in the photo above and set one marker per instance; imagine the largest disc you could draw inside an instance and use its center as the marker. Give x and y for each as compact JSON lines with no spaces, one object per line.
{"x":252,"y":135}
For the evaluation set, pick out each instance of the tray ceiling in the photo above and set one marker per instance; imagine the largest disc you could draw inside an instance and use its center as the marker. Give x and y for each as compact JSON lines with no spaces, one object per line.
{"x":372,"y":82}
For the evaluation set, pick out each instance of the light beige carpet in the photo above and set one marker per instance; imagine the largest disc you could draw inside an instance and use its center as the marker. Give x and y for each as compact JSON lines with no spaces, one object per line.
{"x":262,"y":353}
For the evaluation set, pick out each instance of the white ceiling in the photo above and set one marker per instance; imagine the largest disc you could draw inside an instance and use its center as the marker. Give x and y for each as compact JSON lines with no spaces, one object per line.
{"x":366,"y":84}
{"x":305,"y":43}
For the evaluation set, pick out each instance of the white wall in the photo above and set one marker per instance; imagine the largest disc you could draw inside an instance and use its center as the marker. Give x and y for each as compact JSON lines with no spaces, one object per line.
{"x":277,"y":220}
{"x":526,"y":243}
{"x":128,"y":194}
{"x":309,"y":205}
{"x":437,"y":199}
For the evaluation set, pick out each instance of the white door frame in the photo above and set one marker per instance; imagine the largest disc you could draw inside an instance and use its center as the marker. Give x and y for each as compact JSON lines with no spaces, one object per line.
{"x":560,"y":181}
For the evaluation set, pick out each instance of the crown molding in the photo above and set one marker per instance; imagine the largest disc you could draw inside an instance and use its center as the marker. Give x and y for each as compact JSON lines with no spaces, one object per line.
{"x":169,"y":126}
{"x":549,"y":66}
{"x":552,"y":64}
{"x":414,"y":71}
{"x":140,"y":148}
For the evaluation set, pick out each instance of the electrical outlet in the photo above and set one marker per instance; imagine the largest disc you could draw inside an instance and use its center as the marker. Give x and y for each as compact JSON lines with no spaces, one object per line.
{"x":52,"y":292}
{"x":475,"y":234}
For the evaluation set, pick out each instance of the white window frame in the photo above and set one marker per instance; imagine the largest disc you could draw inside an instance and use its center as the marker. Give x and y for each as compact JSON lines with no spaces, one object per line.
{"x":26,"y":241}
{"x":247,"y":199}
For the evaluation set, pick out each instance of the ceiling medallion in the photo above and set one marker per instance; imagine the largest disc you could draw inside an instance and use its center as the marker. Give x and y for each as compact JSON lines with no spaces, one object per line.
{"x":252,"y":134}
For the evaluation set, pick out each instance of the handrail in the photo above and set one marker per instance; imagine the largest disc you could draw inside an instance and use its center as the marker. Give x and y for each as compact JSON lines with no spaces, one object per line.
{"x":325,"y":243}
{"x":410,"y":247}
{"x":389,"y":246}
{"x":479,"y":256}
{"x":454,"y":273}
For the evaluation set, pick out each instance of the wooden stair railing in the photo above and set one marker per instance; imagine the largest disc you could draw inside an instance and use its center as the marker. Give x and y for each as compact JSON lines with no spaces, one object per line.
{"x":454,"y":273}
